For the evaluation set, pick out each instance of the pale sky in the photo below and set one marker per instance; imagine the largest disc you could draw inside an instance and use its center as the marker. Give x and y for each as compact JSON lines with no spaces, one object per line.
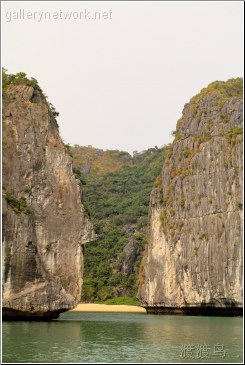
{"x":121,"y":82}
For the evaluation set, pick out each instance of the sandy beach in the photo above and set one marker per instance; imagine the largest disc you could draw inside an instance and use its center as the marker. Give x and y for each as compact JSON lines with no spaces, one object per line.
{"x":91,"y":307}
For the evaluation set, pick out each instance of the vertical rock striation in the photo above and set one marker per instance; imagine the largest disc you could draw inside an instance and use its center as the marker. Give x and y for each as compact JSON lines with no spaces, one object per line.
{"x":44,"y":222}
{"x":193,"y":262}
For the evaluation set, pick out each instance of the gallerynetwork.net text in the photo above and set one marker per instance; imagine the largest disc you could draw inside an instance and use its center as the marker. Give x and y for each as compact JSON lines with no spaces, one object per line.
{"x":40,"y":16}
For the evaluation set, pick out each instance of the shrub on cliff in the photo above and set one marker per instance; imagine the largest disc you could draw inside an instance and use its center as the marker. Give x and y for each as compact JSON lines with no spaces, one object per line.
{"x":17,"y":79}
{"x":21,"y":78}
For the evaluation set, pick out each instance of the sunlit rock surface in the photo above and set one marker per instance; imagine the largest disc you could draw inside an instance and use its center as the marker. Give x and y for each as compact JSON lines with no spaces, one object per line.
{"x":193,"y":262}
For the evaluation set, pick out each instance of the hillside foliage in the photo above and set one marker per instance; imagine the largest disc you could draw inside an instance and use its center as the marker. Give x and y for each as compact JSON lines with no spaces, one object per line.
{"x":116,"y":194}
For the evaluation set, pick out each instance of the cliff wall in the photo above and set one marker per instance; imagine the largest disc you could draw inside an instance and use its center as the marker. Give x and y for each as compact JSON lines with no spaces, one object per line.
{"x":44,"y":222}
{"x":193,"y":262}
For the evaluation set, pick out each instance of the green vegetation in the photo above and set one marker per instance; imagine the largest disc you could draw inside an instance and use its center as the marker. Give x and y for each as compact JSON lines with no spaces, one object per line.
{"x":223,"y":90}
{"x":123,"y":300}
{"x":49,"y":246}
{"x":79,"y":175}
{"x":53,"y":110}
{"x":98,"y":162}
{"x":204,"y":236}
{"x":17,"y":79}
{"x":233,"y":132}
{"x":117,"y":194}
{"x":239,"y":205}
{"x":187,"y":152}
{"x":27,"y":189}
{"x":21,"y":78}
{"x":221,"y":93}
{"x":196,"y":251}
{"x":18,"y":205}
{"x":69,"y":149}
{"x":182,"y":203}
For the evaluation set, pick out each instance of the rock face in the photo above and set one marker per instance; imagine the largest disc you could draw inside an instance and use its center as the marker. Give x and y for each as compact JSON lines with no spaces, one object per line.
{"x":131,"y":250}
{"x":44,"y":222}
{"x":193,"y":262}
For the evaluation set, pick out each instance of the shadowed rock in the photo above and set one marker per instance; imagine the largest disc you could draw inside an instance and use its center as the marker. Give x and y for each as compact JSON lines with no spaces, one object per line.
{"x":44,"y":222}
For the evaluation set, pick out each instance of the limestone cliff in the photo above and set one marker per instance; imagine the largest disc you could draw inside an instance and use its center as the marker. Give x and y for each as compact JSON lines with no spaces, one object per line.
{"x":193,"y":262}
{"x":44,"y":222}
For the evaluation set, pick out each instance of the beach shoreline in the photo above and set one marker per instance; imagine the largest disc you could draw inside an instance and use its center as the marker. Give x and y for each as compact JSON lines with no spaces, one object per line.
{"x":92,"y":307}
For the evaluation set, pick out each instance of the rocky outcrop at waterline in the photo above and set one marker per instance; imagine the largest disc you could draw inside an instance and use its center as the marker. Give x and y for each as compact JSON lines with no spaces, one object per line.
{"x":44,"y":221}
{"x":193,"y":262}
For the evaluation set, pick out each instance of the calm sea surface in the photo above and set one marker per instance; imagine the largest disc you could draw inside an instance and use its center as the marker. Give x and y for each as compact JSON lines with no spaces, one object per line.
{"x":124,"y":337}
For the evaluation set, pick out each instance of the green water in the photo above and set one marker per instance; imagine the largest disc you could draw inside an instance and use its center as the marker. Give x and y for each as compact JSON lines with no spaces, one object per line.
{"x":124,"y":337}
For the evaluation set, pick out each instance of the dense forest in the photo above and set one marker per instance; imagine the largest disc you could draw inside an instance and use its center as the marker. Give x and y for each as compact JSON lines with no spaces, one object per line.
{"x":116,"y":192}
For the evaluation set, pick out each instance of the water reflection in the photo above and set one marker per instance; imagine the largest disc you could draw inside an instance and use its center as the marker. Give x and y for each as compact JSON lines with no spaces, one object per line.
{"x":119,"y":337}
